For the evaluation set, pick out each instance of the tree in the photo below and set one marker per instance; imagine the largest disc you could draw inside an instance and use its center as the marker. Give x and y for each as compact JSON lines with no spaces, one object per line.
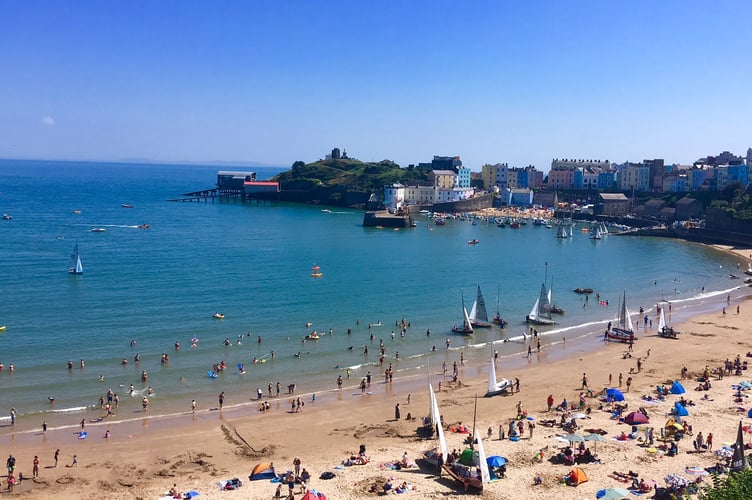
{"x":737,"y":486}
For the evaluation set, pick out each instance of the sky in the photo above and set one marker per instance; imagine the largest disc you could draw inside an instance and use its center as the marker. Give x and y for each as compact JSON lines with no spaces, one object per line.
{"x":272,"y":82}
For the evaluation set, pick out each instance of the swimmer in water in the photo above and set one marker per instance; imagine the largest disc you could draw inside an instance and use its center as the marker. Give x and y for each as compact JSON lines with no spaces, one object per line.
{"x":132,"y":389}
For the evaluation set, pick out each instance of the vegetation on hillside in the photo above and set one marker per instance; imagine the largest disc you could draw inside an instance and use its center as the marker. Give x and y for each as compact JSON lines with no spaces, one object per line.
{"x":736,"y":201}
{"x":348,"y":175}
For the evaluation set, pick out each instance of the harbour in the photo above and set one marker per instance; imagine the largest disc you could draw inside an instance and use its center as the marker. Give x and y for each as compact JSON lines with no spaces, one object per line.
{"x":252,"y":263}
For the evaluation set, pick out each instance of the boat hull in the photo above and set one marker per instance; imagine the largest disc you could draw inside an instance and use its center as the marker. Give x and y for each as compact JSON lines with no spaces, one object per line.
{"x":539,"y":321}
{"x":480,"y":324}
{"x":461,"y":330}
{"x":619,"y":335}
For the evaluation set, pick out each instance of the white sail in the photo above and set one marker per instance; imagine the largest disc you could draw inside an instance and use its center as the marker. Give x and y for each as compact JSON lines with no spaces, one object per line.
{"x":436,"y":422}
{"x":473,"y":311}
{"x":661,"y":322}
{"x":75,"y":266}
{"x":629,"y":326}
{"x":495,"y":387}
{"x":534,"y":312}
{"x":485,"y":476}
{"x":468,"y":326}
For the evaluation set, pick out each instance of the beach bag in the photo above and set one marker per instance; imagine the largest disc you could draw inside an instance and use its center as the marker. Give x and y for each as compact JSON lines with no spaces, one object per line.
{"x":327,"y":475}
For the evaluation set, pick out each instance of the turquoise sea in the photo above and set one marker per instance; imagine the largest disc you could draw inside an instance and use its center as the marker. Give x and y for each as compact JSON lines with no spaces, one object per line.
{"x":161,"y":285}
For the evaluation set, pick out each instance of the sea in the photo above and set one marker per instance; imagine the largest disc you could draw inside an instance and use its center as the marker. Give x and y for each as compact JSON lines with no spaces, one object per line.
{"x":145,"y":290}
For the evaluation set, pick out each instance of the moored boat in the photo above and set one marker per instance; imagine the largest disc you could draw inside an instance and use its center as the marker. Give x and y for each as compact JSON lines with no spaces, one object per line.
{"x":583,"y":290}
{"x":478,"y":315}
{"x":541,"y":312}
{"x":466,"y":328}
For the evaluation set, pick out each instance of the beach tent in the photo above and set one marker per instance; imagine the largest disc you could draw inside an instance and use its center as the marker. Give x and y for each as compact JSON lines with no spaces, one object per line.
{"x":677,"y":388}
{"x":576,"y":477}
{"x":469,"y":457}
{"x":313,"y":495}
{"x":636,"y":418}
{"x":671,"y":423}
{"x":614,"y":394}
{"x":679,"y":410}
{"x":749,"y":413}
{"x":263,"y":470}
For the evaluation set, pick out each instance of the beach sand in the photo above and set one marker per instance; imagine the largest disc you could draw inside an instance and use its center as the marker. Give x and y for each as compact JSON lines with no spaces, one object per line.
{"x":144,"y":458}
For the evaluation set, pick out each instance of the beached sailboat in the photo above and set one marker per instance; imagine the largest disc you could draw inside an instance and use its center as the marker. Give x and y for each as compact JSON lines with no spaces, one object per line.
{"x":541,"y":312}
{"x":467,"y":327}
{"x":471,"y":469}
{"x":624,"y":330}
{"x":663,"y":329}
{"x":434,"y":420}
{"x":75,"y":266}
{"x":496,"y":386}
{"x":478,"y":314}
{"x":498,"y":319}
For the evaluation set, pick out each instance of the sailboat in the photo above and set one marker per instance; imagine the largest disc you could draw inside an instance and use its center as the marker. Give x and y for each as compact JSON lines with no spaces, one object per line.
{"x":561,"y":231}
{"x":553,"y":308}
{"x":494,"y":386}
{"x":663,"y":329}
{"x":498,"y":319}
{"x":541,"y":312}
{"x":623,"y":331}
{"x":467,"y":327}
{"x":75,"y":267}
{"x":595,"y":233}
{"x":478,"y":314}
{"x":471,"y":469}
{"x":434,"y":420}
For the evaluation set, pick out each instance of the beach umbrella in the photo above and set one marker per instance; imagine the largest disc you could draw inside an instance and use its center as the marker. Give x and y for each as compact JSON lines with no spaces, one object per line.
{"x":595,"y":438}
{"x":696,"y":471}
{"x":724,"y":452}
{"x":574,"y":438}
{"x":676,"y":480}
{"x":496,"y":461}
{"x":612,"y":493}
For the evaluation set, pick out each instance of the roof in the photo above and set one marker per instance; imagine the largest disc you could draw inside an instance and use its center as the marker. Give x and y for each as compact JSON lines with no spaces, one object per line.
{"x":260,"y":183}
{"x":613,"y":197}
{"x":444,"y":172}
{"x":234,"y":173}
{"x":654,"y":204}
{"x":687,"y":201}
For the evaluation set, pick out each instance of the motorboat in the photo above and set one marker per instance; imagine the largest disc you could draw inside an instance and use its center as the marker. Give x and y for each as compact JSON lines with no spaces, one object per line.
{"x":218,"y":316}
{"x":7,"y":217}
{"x":97,"y":230}
{"x":125,"y":205}
{"x":143,"y":226}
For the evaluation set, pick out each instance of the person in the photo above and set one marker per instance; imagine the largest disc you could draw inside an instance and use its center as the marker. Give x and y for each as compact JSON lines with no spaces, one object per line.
{"x":174,"y":493}
{"x":278,"y":493}
{"x":550,"y":401}
{"x":709,"y":441}
{"x":221,"y":398}
{"x":11,"y":481}
{"x":397,"y":412}
{"x":75,"y":461}
{"x":35,"y":467}
{"x":57,"y":456}
{"x":193,"y":406}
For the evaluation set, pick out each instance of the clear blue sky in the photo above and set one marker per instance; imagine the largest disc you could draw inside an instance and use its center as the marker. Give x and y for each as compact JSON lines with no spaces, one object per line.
{"x":279,"y":81}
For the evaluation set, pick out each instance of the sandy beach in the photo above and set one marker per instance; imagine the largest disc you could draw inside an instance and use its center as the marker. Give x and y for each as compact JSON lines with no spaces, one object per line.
{"x":144,"y":458}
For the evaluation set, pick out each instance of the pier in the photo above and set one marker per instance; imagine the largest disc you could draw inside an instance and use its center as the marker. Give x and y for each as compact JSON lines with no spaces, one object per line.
{"x":235,"y":186}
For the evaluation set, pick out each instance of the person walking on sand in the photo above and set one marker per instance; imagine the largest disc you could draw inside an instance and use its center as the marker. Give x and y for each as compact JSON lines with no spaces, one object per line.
{"x":221,"y":399}
{"x":397,"y":412}
{"x":75,"y":461}
{"x":35,"y":467}
{"x":629,"y":383}
{"x":193,"y":406}
{"x":57,"y":456}
{"x":620,"y":379}
{"x":550,"y":401}
{"x":584,"y":381}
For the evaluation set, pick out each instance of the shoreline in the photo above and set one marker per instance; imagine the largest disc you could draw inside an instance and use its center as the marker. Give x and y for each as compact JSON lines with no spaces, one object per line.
{"x":327,"y":429}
